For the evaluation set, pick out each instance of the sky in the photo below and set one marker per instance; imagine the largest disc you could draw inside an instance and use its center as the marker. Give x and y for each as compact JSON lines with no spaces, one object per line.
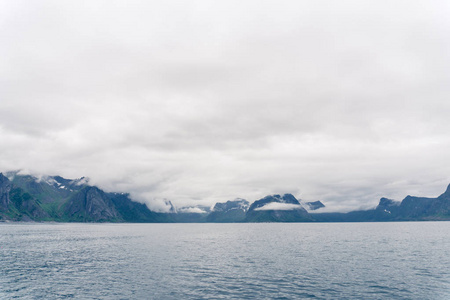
{"x":200,"y":102}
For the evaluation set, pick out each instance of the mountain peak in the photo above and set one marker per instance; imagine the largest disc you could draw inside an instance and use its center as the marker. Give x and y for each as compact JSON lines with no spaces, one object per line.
{"x":314,"y":205}
{"x":387,"y":205}
{"x":289,"y":198}
{"x":232,"y":204}
{"x":286,"y":201}
{"x":3,"y":178}
{"x":446,"y":194}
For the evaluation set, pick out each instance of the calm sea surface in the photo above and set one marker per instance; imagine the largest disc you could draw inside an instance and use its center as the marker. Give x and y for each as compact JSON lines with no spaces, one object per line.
{"x":225,"y":261}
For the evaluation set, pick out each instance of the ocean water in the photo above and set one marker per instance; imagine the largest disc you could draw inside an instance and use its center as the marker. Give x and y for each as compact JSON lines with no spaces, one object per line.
{"x":225,"y":261}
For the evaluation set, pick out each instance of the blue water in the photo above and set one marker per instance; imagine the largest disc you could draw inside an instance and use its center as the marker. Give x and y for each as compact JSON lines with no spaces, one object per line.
{"x":225,"y":261}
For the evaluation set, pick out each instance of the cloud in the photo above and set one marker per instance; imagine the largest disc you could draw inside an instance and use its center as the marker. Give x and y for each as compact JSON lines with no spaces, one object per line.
{"x":195,"y":210}
{"x":279,"y":206}
{"x":204,"y":102}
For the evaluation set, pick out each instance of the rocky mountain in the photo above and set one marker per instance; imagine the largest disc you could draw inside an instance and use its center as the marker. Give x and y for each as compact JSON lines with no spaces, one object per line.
{"x":131,"y":211}
{"x":230,"y":211}
{"x":272,"y":208}
{"x":409,"y":209}
{"x":53,"y":198}
{"x":17,"y":204}
{"x":5,"y":188}
{"x":314,"y":205}
{"x":91,"y":204}
{"x":421,"y":208}
{"x":276,"y":208}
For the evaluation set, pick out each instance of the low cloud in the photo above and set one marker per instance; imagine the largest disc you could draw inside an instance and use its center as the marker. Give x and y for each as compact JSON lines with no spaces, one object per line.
{"x":279,"y":206}
{"x":195,"y":210}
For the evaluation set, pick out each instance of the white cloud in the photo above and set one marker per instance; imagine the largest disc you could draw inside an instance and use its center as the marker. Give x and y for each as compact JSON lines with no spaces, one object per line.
{"x":279,"y":206}
{"x":195,"y":210}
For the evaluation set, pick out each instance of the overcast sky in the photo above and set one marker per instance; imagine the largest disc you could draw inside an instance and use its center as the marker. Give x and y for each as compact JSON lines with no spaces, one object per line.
{"x":205,"y":101}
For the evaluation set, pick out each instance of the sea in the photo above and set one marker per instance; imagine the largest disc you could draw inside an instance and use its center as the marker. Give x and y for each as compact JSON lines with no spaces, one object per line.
{"x":401,"y":260}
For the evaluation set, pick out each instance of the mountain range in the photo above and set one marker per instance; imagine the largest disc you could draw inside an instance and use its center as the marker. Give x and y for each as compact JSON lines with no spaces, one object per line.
{"x":54,"y":198}
{"x":409,"y":209}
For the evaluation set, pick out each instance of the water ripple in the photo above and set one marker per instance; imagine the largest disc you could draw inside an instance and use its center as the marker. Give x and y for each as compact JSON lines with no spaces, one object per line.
{"x":225,"y":261}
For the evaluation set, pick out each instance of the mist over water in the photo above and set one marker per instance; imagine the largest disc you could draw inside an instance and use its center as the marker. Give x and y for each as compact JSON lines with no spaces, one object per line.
{"x":223,"y":261}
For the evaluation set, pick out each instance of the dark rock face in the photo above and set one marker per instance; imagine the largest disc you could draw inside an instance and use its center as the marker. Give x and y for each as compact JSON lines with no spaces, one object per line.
{"x":91,"y":204}
{"x":172,"y":208}
{"x":232,"y":204}
{"x":314,"y":205}
{"x":414,"y":207}
{"x":386,"y":210}
{"x":230,"y":211}
{"x":5,"y":188}
{"x":387,"y":203}
{"x":442,"y":206}
{"x":421,"y":208}
{"x":135,"y":212}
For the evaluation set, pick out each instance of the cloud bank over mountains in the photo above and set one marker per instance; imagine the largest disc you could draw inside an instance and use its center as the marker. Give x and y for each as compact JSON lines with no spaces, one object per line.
{"x":202,"y":102}
{"x":279,"y":206}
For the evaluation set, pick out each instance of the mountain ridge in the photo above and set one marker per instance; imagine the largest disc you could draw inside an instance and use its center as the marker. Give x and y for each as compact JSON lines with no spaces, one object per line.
{"x":54,"y":198}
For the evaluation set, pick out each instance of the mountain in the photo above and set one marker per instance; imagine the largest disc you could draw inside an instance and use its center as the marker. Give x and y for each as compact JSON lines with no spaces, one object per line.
{"x":230,"y":211}
{"x":5,"y":188}
{"x":409,"y":209}
{"x":17,"y":204}
{"x":421,"y":208}
{"x":135,"y":212}
{"x":54,"y":198}
{"x":91,"y":204}
{"x":272,"y":208}
{"x":276,"y":208}
{"x":314,"y":205}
